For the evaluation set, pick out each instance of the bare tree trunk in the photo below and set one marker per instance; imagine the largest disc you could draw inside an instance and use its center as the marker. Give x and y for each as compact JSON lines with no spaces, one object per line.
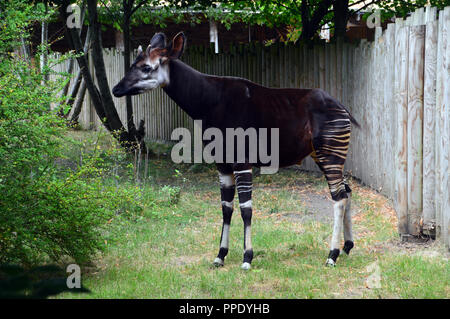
{"x":43,"y":61}
{"x":78,"y":104}
{"x":75,"y":43}
{"x":76,"y":85}
{"x":341,"y":16}
{"x":25,"y":48}
{"x":127,"y":7}
{"x":100,"y":72}
{"x":72,"y":61}
{"x":311,"y":23}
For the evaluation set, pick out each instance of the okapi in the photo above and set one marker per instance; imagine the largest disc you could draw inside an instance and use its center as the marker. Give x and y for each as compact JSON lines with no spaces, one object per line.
{"x":310,"y":122}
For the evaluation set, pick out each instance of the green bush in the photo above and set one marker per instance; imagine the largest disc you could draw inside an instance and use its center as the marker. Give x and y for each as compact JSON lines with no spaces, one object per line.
{"x":54,"y":217}
{"x":47,"y":212}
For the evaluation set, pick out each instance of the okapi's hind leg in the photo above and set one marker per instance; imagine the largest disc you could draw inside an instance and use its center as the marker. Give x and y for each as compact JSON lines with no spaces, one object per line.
{"x":330,"y":151}
{"x":227,"y":191}
{"x":348,"y":234}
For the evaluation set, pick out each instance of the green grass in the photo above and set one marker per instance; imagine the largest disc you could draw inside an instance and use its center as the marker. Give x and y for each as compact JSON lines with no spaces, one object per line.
{"x":167,"y":253}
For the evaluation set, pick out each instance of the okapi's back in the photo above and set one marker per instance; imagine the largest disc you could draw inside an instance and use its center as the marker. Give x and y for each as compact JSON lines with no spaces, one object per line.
{"x":275,"y":105}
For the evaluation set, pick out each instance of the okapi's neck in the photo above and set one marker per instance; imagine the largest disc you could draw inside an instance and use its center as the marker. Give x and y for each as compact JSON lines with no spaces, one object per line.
{"x":191,"y":90}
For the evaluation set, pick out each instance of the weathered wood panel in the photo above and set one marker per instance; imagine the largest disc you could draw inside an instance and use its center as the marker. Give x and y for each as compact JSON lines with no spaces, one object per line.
{"x":389,"y":111}
{"x":444,"y":180}
{"x":415,"y":126}
{"x":429,"y":179}
{"x":401,"y":101}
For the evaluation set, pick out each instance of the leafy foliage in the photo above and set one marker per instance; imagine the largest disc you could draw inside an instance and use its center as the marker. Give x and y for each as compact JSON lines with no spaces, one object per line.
{"x":47,"y":211}
{"x":401,"y":8}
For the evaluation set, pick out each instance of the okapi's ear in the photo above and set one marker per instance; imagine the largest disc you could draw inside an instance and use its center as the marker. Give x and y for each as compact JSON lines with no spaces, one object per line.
{"x":158,"y":41}
{"x":177,"y":46}
{"x":147,"y":51}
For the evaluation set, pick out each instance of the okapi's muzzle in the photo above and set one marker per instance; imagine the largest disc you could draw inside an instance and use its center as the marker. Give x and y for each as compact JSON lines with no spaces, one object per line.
{"x":123,"y":88}
{"x":119,"y":90}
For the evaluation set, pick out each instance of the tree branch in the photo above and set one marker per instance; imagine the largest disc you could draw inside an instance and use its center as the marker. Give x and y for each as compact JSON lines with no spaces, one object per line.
{"x":365,"y":6}
{"x":140,"y":4}
{"x":362,"y":8}
{"x":285,"y":6}
{"x":361,"y":1}
{"x":78,"y":79}
{"x":112,"y":15}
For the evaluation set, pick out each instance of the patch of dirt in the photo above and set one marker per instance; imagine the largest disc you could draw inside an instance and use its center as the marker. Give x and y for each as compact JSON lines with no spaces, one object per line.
{"x":426,"y":248}
{"x":318,"y":207}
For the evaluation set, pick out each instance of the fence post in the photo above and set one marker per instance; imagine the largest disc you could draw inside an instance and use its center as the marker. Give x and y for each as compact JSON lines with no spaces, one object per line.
{"x":378,"y":111}
{"x":415,"y":124}
{"x":429,"y":117}
{"x":390,"y":110}
{"x":445,"y":130}
{"x":401,"y":101}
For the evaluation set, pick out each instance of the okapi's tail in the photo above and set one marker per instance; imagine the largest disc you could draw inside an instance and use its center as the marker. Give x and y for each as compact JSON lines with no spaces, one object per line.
{"x":352,"y":119}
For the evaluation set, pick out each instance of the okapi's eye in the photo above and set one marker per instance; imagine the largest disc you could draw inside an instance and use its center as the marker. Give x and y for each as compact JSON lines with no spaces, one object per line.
{"x":147,"y":69}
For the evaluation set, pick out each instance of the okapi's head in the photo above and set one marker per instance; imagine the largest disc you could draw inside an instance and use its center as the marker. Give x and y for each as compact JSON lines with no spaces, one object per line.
{"x":151,"y":68}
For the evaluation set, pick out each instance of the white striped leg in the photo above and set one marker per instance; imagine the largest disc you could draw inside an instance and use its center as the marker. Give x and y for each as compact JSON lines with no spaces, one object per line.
{"x":244,"y":188}
{"x":339,"y":210}
{"x":348,"y":234}
{"x":227,"y":190}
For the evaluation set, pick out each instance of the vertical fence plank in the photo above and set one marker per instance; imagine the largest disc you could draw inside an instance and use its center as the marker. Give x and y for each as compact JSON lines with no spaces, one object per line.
{"x":339,"y":70}
{"x":439,"y":98}
{"x":389,"y":109}
{"x":401,"y":101}
{"x":415,"y":125}
{"x":445,"y":131}
{"x":322,"y":67}
{"x":356,"y":110}
{"x":363,"y":103}
{"x":371,"y":117}
{"x":333,"y":71}
{"x":378,"y":122}
{"x":429,"y":179}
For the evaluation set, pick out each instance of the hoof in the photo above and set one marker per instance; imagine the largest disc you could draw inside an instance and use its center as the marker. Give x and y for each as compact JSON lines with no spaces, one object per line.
{"x":245,"y":266}
{"x":218,"y":262}
{"x":332,"y":257}
{"x":348,"y":245}
{"x":330,"y":263}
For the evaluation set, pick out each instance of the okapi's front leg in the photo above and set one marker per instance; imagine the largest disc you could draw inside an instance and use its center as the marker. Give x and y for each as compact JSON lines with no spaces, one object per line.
{"x":243,"y":177}
{"x":227,"y":190}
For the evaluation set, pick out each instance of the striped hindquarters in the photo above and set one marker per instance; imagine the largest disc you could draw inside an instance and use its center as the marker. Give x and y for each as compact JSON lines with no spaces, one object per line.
{"x":330,"y":150}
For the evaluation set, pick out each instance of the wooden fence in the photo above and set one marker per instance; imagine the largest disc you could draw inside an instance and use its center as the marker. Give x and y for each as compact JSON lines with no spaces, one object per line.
{"x":397,"y":87}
